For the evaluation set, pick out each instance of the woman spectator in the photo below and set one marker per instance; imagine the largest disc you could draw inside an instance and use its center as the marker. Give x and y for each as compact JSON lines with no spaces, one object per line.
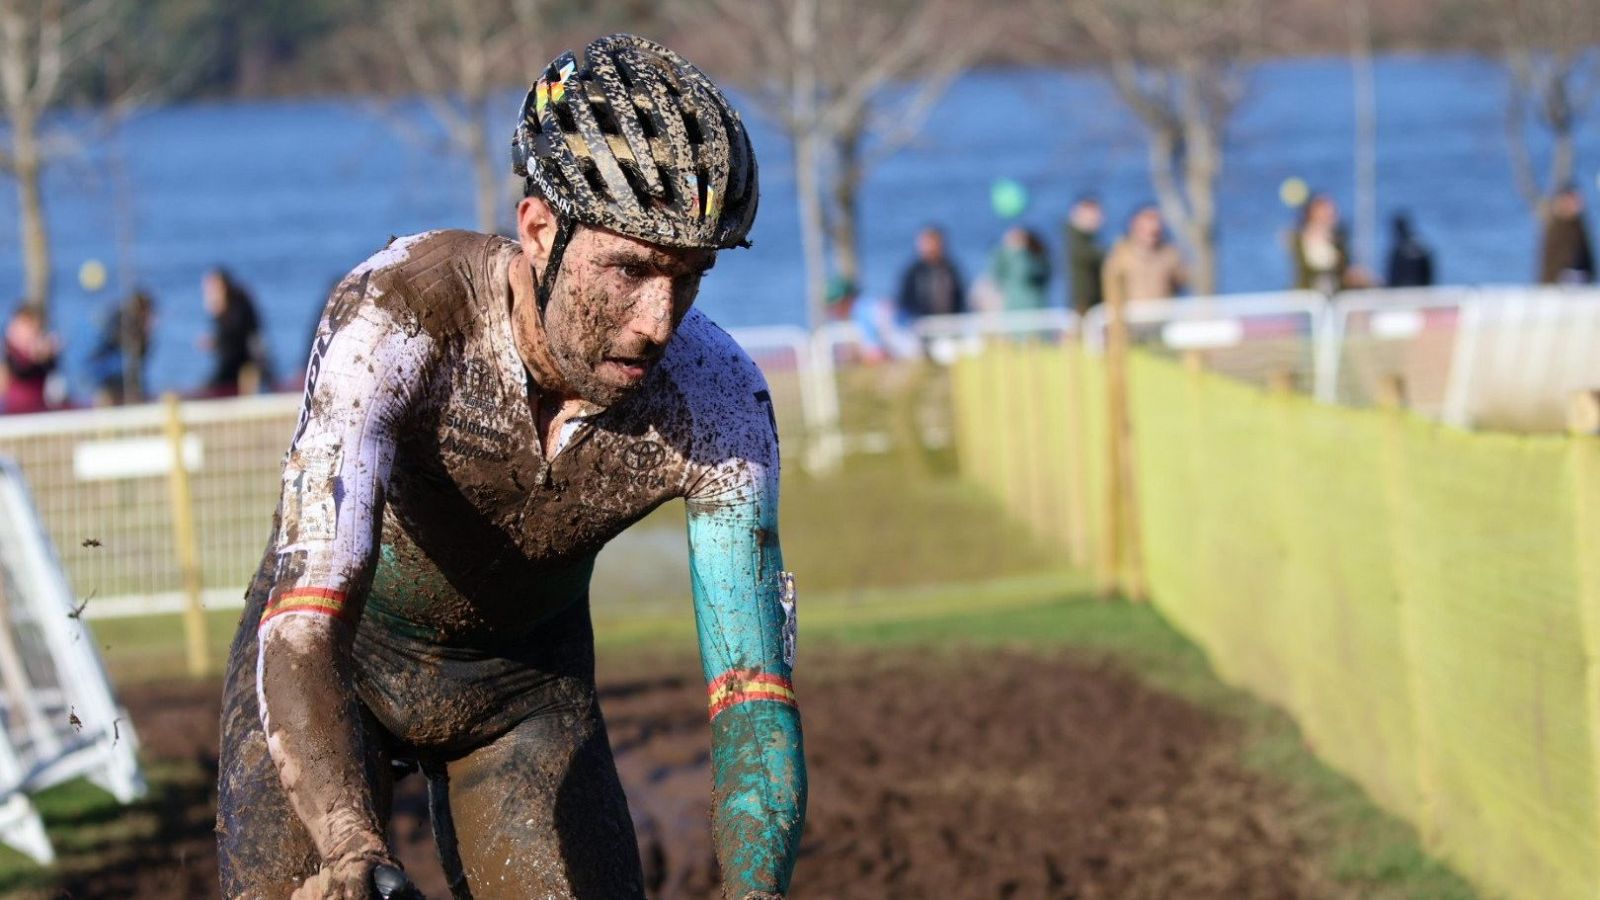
{"x":241,"y":363}
{"x":31,"y":354}
{"x":1320,"y":250}
{"x":1020,"y":270}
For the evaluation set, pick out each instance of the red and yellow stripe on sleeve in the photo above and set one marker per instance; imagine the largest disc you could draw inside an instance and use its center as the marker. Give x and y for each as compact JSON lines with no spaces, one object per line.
{"x":741,"y":686}
{"x":322,"y":601}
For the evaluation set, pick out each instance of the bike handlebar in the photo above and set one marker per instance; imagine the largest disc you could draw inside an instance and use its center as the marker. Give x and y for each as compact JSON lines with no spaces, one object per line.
{"x":389,"y":883}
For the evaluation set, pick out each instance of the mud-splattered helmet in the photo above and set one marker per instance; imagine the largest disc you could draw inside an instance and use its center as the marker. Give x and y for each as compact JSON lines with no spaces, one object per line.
{"x":639,"y":141}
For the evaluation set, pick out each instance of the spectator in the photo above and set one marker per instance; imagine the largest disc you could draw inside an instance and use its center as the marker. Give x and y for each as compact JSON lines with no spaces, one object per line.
{"x":1020,"y":270}
{"x":1143,"y":265}
{"x":882,"y":338}
{"x":241,"y":362}
{"x":1565,"y":254}
{"x":31,"y":354}
{"x":1319,"y":247}
{"x":118,"y":360}
{"x":1410,"y":260}
{"x":931,"y":285}
{"x":1085,"y":256}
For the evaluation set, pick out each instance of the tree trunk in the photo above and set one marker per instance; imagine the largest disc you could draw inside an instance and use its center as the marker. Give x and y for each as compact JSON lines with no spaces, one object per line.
{"x":486,"y":176}
{"x":805,"y":129}
{"x":808,"y":193}
{"x":844,"y":214}
{"x":1202,"y":165}
{"x":29,"y":171}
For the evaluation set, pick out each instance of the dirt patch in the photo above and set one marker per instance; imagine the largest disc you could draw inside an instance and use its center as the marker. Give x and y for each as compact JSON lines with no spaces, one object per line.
{"x":951,"y":775}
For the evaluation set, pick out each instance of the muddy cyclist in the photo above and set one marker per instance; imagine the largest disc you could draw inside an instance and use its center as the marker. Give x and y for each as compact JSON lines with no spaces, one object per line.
{"x":481,"y":416}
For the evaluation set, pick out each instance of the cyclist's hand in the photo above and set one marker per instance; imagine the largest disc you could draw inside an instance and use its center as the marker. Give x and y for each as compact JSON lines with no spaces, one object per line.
{"x":347,"y":877}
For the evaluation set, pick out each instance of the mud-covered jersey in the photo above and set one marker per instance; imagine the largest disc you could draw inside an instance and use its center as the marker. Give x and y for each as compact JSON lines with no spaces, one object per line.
{"x":419,"y":507}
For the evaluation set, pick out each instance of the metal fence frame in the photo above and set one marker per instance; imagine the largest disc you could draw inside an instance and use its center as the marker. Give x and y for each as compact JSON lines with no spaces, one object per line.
{"x":235,"y":445}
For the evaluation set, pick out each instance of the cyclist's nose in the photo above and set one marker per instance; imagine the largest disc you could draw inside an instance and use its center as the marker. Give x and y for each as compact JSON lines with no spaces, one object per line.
{"x":652,"y":315}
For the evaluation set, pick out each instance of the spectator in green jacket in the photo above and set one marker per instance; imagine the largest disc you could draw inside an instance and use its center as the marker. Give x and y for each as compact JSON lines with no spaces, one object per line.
{"x":1020,"y":270}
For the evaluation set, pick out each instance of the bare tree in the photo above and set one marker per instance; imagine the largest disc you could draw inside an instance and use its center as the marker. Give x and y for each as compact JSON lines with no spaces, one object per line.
{"x":1549,"y":50}
{"x":455,"y":54}
{"x":1181,"y":67}
{"x":41,"y":43}
{"x":826,"y":71}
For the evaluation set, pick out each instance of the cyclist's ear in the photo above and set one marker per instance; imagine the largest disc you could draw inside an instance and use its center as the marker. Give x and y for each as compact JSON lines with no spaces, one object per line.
{"x":536,"y":229}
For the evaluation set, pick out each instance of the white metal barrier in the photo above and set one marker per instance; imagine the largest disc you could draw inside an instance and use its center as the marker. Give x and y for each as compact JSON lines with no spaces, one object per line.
{"x":1467,"y":354}
{"x":1518,"y":356}
{"x":838,"y":349}
{"x":60,"y":719}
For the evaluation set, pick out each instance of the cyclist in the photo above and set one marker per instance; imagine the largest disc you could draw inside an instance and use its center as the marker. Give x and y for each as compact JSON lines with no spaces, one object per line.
{"x":481,"y":415}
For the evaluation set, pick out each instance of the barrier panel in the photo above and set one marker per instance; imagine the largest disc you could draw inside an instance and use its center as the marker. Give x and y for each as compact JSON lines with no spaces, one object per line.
{"x":58,"y":717}
{"x":1519,"y":353}
{"x":1424,"y":601}
{"x":1252,"y":337}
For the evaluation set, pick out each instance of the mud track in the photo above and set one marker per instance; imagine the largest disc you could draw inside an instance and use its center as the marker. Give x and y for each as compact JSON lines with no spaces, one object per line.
{"x":948,"y":775}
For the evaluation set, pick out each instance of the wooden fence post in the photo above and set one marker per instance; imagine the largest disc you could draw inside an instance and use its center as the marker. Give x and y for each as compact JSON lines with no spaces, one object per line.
{"x":1391,"y":397}
{"x":1122,"y":567}
{"x":1583,"y":426}
{"x":186,"y":541}
{"x":1077,"y":494}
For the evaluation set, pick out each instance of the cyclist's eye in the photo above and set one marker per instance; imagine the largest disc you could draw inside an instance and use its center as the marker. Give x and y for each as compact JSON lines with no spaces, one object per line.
{"x":635,"y":272}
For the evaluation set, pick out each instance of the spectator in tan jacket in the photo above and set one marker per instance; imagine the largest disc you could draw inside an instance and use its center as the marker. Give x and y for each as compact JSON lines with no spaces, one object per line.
{"x":1143,"y":265}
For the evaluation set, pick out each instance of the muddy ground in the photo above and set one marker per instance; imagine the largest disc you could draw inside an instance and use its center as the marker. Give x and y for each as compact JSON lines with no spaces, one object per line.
{"x":975,"y":774}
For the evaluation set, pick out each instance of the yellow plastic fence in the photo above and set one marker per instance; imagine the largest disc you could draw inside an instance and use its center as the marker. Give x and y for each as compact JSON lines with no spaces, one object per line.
{"x":1424,"y":601}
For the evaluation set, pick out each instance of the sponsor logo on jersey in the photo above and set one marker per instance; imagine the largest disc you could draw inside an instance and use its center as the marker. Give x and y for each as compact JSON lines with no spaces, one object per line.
{"x":644,"y":456}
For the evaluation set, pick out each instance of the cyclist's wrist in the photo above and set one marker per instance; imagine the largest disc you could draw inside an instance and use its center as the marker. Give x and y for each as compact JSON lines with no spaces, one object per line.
{"x":359,"y":844}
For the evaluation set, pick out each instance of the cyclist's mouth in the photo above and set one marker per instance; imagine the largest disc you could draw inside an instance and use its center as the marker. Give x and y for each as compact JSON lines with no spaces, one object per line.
{"x":629,"y":368}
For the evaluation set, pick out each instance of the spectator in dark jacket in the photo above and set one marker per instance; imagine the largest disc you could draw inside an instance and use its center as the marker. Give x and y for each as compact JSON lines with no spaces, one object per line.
{"x":1085,"y":256}
{"x":118,"y":360}
{"x":235,"y":340}
{"x":931,"y":285}
{"x":1410,"y":260}
{"x":1565,"y":254}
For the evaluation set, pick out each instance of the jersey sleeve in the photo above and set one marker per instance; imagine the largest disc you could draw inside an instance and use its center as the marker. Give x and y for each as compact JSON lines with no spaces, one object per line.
{"x":745,"y":614}
{"x":367,"y":364}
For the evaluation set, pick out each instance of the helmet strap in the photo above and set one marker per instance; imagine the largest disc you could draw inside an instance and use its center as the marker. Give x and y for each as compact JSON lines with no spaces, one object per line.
{"x":558,"y":248}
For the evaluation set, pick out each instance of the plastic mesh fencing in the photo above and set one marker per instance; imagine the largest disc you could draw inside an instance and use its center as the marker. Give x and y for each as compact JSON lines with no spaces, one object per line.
{"x":1423,"y":600}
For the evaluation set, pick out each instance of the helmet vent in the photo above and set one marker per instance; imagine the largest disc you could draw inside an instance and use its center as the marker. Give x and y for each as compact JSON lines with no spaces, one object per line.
{"x":591,"y":174}
{"x":564,"y":118}
{"x":606,"y":116}
{"x":635,"y":179}
{"x":702,"y":181}
{"x":691,"y":128}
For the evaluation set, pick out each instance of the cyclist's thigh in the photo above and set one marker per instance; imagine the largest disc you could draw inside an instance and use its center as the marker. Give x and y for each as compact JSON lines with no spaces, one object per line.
{"x":540,"y":813}
{"x":263,"y":850}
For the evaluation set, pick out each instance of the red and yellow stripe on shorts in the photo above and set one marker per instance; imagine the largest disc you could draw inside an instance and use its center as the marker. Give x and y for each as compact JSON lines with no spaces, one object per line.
{"x":322,"y":601}
{"x":740,"y":686}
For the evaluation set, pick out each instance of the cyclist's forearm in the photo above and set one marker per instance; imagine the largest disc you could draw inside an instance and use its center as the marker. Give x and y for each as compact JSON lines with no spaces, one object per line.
{"x":759,"y":796}
{"x":311,"y":718}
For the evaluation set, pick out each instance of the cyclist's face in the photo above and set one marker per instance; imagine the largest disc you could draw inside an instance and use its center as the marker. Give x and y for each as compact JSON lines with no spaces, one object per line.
{"x":616,"y":303}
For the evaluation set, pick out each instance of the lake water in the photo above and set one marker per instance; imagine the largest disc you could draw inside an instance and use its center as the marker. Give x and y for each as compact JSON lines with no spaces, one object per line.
{"x":290,"y":194}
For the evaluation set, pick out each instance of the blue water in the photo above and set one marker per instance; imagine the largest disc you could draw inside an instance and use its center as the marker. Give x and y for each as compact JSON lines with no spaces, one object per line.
{"x":290,"y":194}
